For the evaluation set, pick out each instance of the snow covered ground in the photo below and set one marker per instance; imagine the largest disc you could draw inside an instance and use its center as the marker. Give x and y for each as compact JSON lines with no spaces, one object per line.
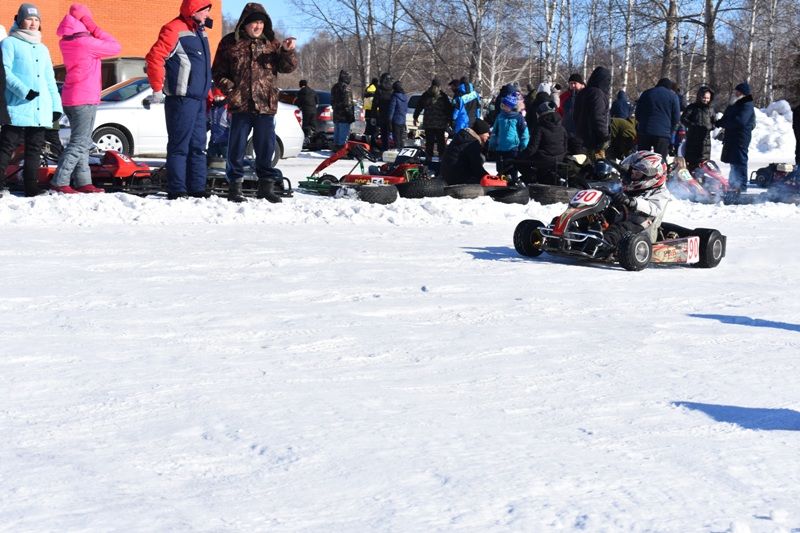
{"x":329,"y":365}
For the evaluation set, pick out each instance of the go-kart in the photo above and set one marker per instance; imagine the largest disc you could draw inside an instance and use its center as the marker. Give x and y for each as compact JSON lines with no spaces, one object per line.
{"x":763,"y":177}
{"x":218,"y":182}
{"x":110,"y":170}
{"x":579,"y":232}
{"x":499,"y":188}
{"x":705,"y":184}
{"x":406,"y":176}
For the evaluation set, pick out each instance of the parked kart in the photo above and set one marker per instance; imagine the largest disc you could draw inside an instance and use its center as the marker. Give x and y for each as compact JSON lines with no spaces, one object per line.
{"x":218,"y":181}
{"x":407,"y":176}
{"x":110,"y":170}
{"x":763,"y":177}
{"x":578,"y":232}
{"x":499,"y":188}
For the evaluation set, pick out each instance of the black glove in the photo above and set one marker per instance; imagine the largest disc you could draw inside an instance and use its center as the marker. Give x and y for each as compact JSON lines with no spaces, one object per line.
{"x":31,"y":95}
{"x":621,"y":199}
{"x":56,"y":116}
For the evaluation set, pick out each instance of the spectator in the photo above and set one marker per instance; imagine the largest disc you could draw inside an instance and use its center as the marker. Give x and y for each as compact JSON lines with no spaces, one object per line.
{"x":738,"y":120}
{"x":658,"y":113}
{"x":436,"y":109}
{"x":548,"y":145}
{"x":463,"y":160}
{"x":219,"y":124}
{"x":31,"y":95}
{"x":591,"y":113}
{"x":555,"y":94}
{"x":179,"y":70}
{"x":466,"y":105}
{"x":370,"y":106}
{"x":621,"y":108}
{"x":699,"y":121}
{"x":4,"y":118}
{"x":505,"y":90}
{"x":567,"y":102}
{"x":622,"y":140}
{"x":510,"y":136}
{"x":398,"y":109}
{"x":246,"y":66}
{"x":307,"y":100}
{"x":796,"y":129}
{"x":343,"y":113}
{"x":384,"y":98}
{"x":83,"y":44}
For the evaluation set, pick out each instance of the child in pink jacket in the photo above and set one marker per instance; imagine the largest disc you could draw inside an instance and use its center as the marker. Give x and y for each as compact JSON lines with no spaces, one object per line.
{"x":83,"y":44}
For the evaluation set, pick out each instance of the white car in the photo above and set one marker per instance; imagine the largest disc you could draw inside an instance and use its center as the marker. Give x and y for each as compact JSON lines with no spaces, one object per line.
{"x":128,"y":123}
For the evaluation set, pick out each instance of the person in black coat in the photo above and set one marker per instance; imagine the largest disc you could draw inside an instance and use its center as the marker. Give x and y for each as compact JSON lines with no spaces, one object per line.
{"x":699,"y":121}
{"x":658,"y":113}
{"x":796,"y":129}
{"x":548,"y":145}
{"x":591,"y":112}
{"x":383,"y":98}
{"x":738,"y":120}
{"x":436,"y":109}
{"x":343,"y":111}
{"x":621,"y":108}
{"x":307,"y":100}
{"x":463,"y":159}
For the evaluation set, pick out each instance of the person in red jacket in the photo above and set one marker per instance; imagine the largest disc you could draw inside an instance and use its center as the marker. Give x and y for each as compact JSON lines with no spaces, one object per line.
{"x":179,"y":70}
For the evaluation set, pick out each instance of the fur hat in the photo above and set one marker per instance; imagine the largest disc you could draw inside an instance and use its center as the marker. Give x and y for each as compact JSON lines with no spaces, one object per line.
{"x":481,"y":126}
{"x":27,"y":10}
{"x":256,"y":15}
{"x":743,"y":88}
{"x":576,"y":77}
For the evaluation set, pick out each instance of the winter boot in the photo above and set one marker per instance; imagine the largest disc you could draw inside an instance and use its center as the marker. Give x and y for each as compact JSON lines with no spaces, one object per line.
{"x":176,"y":195}
{"x":235,"y":192}
{"x":32,"y":188}
{"x":200,"y":194}
{"x":63,"y":189}
{"x":89,"y":188}
{"x":266,"y":191}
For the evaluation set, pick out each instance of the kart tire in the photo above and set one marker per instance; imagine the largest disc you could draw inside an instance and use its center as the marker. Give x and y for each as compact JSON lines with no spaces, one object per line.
{"x":377,"y":194}
{"x":634,"y":251}
{"x":466,"y":191}
{"x":421,"y":188}
{"x":551,"y":194}
{"x":111,"y":138}
{"x":712,"y":247}
{"x":510,"y":195}
{"x":331,"y":181}
{"x":528,"y":238}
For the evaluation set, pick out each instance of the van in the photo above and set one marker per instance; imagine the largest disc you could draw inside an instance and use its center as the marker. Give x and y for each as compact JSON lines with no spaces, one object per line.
{"x":112,"y":70}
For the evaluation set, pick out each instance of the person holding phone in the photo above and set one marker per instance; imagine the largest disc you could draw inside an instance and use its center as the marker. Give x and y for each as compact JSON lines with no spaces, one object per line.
{"x":246,"y":68}
{"x":179,"y":70}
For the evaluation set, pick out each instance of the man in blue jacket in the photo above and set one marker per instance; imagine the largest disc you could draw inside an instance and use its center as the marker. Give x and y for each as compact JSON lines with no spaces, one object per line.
{"x":657,"y":114}
{"x":738,"y":120}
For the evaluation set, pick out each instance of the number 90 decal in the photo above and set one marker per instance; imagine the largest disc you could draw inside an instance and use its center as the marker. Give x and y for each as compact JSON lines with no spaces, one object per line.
{"x":586,"y":197}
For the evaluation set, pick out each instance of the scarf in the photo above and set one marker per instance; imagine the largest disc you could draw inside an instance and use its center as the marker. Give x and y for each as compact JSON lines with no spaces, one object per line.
{"x":29,"y":36}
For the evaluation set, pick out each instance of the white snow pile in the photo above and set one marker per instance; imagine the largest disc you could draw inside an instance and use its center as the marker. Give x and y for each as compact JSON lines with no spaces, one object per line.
{"x":328,"y":365}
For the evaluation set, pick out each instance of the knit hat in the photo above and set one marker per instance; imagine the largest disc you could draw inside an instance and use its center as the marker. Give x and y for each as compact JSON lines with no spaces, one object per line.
{"x":545,"y":107}
{"x":743,"y":88}
{"x":27,"y":10}
{"x":481,"y":126}
{"x":510,"y":100}
{"x":435,"y":82}
{"x":576,"y":77}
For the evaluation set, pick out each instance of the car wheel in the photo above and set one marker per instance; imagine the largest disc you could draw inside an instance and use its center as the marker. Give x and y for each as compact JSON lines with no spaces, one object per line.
{"x":111,"y":138}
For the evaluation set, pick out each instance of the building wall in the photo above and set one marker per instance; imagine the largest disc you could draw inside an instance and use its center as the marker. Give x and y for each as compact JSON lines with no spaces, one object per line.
{"x":134,"y":23}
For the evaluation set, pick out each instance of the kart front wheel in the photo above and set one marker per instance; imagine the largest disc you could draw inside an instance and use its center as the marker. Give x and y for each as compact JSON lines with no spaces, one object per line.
{"x":634,"y":251}
{"x":528,"y":238}
{"x":712,"y":247}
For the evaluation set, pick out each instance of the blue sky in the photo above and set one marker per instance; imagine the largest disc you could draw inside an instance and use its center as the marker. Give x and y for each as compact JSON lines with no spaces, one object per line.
{"x":285,"y":16}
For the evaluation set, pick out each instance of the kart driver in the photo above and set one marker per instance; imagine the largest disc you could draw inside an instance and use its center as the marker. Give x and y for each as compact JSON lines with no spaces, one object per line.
{"x":644,"y":194}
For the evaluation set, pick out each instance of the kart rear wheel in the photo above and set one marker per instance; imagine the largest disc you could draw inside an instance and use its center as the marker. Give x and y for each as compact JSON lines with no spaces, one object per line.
{"x":421,"y":188}
{"x":528,"y":238}
{"x":712,"y":247}
{"x":511,"y":195}
{"x":378,"y":194}
{"x":634,"y":251}
{"x":466,"y":191}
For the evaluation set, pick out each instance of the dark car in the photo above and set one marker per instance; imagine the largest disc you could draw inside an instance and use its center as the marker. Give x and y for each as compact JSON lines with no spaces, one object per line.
{"x":324,"y":120}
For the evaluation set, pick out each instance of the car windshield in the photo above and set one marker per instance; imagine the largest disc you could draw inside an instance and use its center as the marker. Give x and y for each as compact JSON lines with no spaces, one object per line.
{"x":126,"y":91}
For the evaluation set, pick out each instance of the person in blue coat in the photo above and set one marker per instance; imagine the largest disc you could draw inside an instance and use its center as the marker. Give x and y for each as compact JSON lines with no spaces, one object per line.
{"x":621,"y":108}
{"x":658,"y":113}
{"x":510,"y":135}
{"x":30,"y":93}
{"x":398,"y":108}
{"x":466,"y":104}
{"x":738,"y":120}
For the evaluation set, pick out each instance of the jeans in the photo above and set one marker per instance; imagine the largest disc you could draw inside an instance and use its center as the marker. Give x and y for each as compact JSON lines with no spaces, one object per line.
{"x":74,"y":160}
{"x":263,"y":128}
{"x":186,"y":145}
{"x":341,"y":131}
{"x":737,"y":178}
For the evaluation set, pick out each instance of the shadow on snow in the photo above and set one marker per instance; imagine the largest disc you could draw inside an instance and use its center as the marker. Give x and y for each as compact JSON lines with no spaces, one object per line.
{"x":748,"y":417}
{"x":747,"y":321}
